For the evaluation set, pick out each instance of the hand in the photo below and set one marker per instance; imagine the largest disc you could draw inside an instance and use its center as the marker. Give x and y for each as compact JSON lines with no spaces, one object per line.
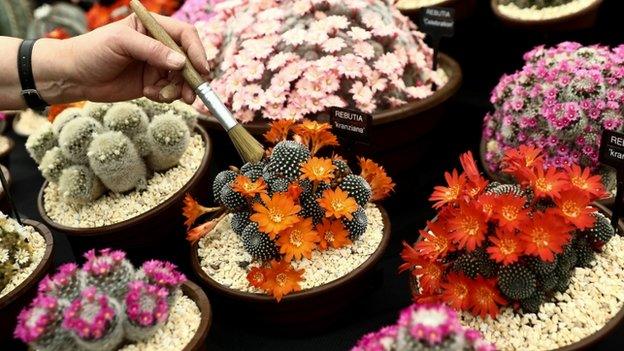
{"x":120,"y":62}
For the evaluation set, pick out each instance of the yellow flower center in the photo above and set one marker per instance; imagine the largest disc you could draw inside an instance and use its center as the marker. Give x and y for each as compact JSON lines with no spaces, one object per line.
{"x":471,"y":226}
{"x":281,"y":279}
{"x":507,"y":247}
{"x":571,"y":209}
{"x":337,"y":205}
{"x":319,"y":171}
{"x":296,"y":238}
{"x":258,"y":277}
{"x":540,"y":237}
{"x":453,"y":192}
{"x":579,"y":182}
{"x":276,"y":217}
{"x":510,"y":213}
{"x":543,"y":185}
{"x":329,"y":236}
{"x":248,"y":186}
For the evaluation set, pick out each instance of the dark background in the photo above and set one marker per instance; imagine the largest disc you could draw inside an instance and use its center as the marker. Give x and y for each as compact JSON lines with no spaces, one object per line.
{"x":485,"y":49}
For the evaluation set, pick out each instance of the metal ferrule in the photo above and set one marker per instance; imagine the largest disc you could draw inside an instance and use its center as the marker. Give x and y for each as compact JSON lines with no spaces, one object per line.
{"x":216,"y":107}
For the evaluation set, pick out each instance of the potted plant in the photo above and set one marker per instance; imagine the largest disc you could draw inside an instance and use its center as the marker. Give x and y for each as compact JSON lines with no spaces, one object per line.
{"x":527,"y":263}
{"x":115,"y":173}
{"x":293,"y":230}
{"x":108,"y":305}
{"x":25,"y":257}
{"x":411,"y":8}
{"x":301,"y":58}
{"x":550,"y":15}
{"x":560,"y":101}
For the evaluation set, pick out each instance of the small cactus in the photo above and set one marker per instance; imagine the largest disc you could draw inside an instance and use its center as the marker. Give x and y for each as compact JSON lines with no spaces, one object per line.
{"x":53,"y":163}
{"x":96,"y":110}
{"x":40,"y":142}
{"x":38,"y":325}
{"x":150,"y":107}
{"x":66,"y":116}
{"x":76,"y":137}
{"x":65,"y":284}
{"x":147,"y":308}
{"x":169,"y":137}
{"x":163,"y":274}
{"x":78,"y":184}
{"x":15,"y":252}
{"x":109,"y":271}
{"x":188,"y":113}
{"x":142,"y":144}
{"x":126,"y":118}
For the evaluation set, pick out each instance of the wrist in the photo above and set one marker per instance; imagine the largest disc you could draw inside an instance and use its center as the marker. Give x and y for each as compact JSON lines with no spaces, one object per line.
{"x":51,"y":67}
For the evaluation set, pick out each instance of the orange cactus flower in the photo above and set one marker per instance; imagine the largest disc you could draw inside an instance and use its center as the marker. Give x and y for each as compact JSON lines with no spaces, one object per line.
{"x":506,"y":249}
{"x":545,"y":236}
{"x":510,"y":212}
{"x":257,"y":277}
{"x":456,"y":291}
{"x":573,"y":206}
{"x":487,"y":203}
{"x":583,"y":180}
{"x":279,"y":131}
{"x":315,"y":135}
{"x":200,"y":231}
{"x":337,"y":204}
{"x":468,"y":226}
{"x":476,"y":183}
{"x":410,"y":256}
{"x":193,"y":210}
{"x":376,"y":176}
{"x":546,"y":184}
{"x":443,"y":195}
{"x":275,"y":213}
{"x":485,"y":297}
{"x":332,"y":233}
{"x":294,"y":190}
{"x":517,"y":161}
{"x":248,"y":188}
{"x":429,"y":275}
{"x":318,"y":169}
{"x":435,"y":243}
{"x":298,"y":241}
{"x":54,"y":110}
{"x":282,"y":279}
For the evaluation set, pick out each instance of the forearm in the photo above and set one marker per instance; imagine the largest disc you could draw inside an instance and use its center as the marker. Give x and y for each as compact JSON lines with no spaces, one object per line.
{"x":51,"y":65}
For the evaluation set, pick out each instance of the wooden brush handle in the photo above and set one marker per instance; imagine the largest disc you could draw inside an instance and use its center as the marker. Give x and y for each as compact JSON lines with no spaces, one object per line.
{"x":157,"y":31}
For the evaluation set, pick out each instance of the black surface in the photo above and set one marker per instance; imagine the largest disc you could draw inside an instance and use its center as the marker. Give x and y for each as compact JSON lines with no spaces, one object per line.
{"x":485,"y":50}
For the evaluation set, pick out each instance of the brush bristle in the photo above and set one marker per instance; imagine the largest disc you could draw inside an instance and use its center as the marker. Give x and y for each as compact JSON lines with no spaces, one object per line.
{"x":248,"y":147}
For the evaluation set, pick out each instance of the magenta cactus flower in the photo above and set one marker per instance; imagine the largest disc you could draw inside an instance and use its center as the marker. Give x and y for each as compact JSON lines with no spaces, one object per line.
{"x":378,"y":340}
{"x":109,"y":271}
{"x":34,"y":322}
{"x":164,"y":274}
{"x":103,"y":264}
{"x":146,"y":304}
{"x":64,"y":284}
{"x":429,"y":323}
{"x":91,"y":315}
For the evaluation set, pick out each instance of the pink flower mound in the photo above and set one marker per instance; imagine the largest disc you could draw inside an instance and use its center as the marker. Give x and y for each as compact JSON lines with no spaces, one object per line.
{"x":196,"y":10}
{"x":36,"y":320}
{"x":103,"y":264}
{"x":560,"y":101}
{"x":163,"y":274}
{"x":90,"y":315}
{"x":289,"y":59}
{"x":424,"y":327}
{"x":146,"y":304}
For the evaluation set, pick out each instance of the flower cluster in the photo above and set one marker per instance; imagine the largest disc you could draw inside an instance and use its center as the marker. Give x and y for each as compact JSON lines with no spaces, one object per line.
{"x":493,"y":244}
{"x":537,"y":4}
{"x":100,"y":304}
{"x":15,"y":251}
{"x":292,"y":59}
{"x":292,"y":202}
{"x":196,"y":10}
{"x":425,"y":327}
{"x":560,"y":102}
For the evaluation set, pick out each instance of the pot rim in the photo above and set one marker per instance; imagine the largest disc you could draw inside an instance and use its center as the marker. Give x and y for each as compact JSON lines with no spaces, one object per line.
{"x":143,"y":217}
{"x":545,"y":22}
{"x":42,"y":267}
{"x":195,"y":293}
{"x":303,"y":294}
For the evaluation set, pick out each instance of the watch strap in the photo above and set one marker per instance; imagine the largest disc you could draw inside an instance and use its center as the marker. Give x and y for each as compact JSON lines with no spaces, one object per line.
{"x":27,"y":80}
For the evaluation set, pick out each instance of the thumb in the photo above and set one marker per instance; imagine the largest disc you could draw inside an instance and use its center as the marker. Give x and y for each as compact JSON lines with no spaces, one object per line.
{"x":144,"y":48}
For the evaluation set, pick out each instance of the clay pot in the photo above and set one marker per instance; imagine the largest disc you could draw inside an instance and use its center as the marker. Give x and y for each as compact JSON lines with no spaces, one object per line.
{"x":196,"y":294}
{"x":4,"y":201}
{"x":582,"y":19}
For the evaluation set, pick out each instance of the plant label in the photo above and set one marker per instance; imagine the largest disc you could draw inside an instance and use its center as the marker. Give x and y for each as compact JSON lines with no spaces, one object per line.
{"x":438,"y":21}
{"x":612,"y":154}
{"x":351,"y":124}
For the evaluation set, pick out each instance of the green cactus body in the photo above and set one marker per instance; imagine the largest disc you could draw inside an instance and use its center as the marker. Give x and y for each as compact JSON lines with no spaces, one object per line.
{"x":169,"y":137}
{"x":76,"y":137}
{"x":66,"y":116}
{"x":111,"y":340}
{"x":142,"y":143}
{"x":40,"y":142}
{"x":151,"y":108}
{"x":96,"y":110}
{"x":78,"y":184}
{"x":53,"y":163}
{"x":115,"y":160}
{"x":126,"y":118}
{"x":15,"y":253}
{"x":188,"y":113}
{"x":15,"y":15}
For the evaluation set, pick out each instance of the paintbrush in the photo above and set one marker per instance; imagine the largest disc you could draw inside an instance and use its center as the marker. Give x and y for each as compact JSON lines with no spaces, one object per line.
{"x":248,"y":147}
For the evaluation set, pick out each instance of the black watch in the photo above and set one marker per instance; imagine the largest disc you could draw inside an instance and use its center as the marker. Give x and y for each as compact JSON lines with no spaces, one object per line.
{"x":24,"y":67}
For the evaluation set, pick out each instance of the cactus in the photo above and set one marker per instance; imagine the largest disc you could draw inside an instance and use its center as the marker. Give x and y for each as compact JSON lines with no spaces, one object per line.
{"x":96,"y":110}
{"x":126,"y":118}
{"x":147,"y":308}
{"x":40,"y":142}
{"x":150,"y":107}
{"x":15,"y":252}
{"x":142,"y":143}
{"x":76,"y":136}
{"x":38,"y":325}
{"x":109,"y":271}
{"x":95,"y":321}
{"x":163,"y":274}
{"x":188,"y":113}
{"x":53,"y":163}
{"x":537,"y":4}
{"x":169,"y":137}
{"x":65,"y":284}
{"x":66,"y":116}
{"x":78,"y":184}
{"x":115,"y":160}
{"x":15,"y":15}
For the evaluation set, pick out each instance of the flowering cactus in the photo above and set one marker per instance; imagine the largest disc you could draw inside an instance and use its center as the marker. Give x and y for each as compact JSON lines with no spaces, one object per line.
{"x":95,"y":320}
{"x":146,"y":309}
{"x":15,"y":251}
{"x":538,"y":4}
{"x":162,"y":274}
{"x":110,"y":271}
{"x":425,"y":327}
{"x":196,"y":10}
{"x":37,"y":325}
{"x":289,"y":59}
{"x":560,"y":102}
{"x":65,"y":284}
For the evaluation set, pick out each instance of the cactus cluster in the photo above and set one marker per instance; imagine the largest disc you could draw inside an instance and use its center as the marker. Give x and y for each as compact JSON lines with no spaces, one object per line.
{"x":537,"y":4}
{"x":99,"y":305}
{"x":105,"y":146}
{"x":15,"y":251}
{"x":508,"y":244}
{"x":294,"y":200}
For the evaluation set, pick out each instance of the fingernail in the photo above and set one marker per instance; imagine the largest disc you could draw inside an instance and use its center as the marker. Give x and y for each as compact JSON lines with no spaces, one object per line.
{"x":176,"y":59}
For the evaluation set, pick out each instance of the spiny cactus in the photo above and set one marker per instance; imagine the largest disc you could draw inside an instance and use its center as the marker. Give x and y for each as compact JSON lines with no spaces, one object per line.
{"x":40,"y":142}
{"x":163,"y":274}
{"x":538,"y":4}
{"x":169,"y":137}
{"x":188,"y":113}
{"x":65,"y":284}
{"x":126,"y":118}
{"x":76,"y":137}
{"x":39,"y":325}
{"x":147,"y":308}
{"x":15,"y":252}
{"x":78,"y":184}
{"x":66,"y":116}
{"x":53,"y":163}
{"x":109,"y":271}
{"x":95,"y":110}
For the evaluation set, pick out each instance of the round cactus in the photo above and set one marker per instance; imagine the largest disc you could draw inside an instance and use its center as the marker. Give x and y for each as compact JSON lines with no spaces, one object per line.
{"x":76,"y":137}
{"x":169,"y":137}
{"x":151,"y":108}
{"x":53,"y":163}
{"x":147,"y":308}
{"x":38,"y":325}
{"x":66,"y":116}
{"x":126,"y":118}
{"x":96,"y":110}
{"x":78,"y":184}
{"x":109,"y":271}
{"x":115,"y":160}
{"x":163,"y":274}
{"x":65,"y":284}
{"x":142,"y":144}
{"x":40,"y":142}
{"x":188,"y":113}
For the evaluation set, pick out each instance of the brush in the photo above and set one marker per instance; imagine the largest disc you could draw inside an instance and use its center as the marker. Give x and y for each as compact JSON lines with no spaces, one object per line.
{"x":248,"y":147}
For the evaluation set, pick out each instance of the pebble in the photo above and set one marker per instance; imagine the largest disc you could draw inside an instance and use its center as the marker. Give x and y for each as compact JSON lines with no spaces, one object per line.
{"x":595,"y":295}
{"x":113,"y":208}
{"x":223,"y":249}
{"x":533,"y":14}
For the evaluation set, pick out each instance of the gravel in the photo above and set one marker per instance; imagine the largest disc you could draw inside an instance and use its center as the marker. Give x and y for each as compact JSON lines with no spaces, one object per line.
{"x":228,"y":266}
{"x":4,"y":143}
{"x":416,"y":4}
{"x":113,"y":208}
{"x":37,"y":245}
{"x":533,"y":14}
{"x":595,"y":295}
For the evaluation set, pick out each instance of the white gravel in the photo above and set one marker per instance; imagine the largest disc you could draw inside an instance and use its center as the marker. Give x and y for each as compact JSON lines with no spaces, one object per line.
{"x":416,"y":4}
{"x":37,"y":245}
{"x":113,"y":208}
{"x":595,"y":295}
{"x":222,"y":256}
{"x":183,"y":322}
{"x":533,"y":14}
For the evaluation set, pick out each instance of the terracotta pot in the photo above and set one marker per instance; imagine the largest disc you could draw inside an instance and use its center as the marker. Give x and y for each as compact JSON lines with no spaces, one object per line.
{"x":463,"y":9}
{"x":4,"y":201}
{"x":13,"y":302}
{"x":300,"y":307}
{"x":395,"y":133}
{"x":153,"y":233}
{"x":588,"y":341}
{"x":582,"y":19}
{"x":4,"y":156}
{"x":196,"y":294}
